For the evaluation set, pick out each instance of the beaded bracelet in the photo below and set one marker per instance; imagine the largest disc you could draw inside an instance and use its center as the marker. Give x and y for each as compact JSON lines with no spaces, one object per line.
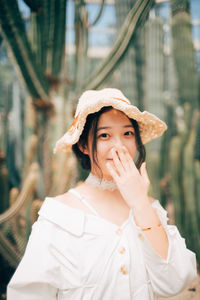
{"x":149,"y":228}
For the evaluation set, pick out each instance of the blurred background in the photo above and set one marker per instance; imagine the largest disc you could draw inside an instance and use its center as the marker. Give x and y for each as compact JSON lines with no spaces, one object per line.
{"x":50,"y":52}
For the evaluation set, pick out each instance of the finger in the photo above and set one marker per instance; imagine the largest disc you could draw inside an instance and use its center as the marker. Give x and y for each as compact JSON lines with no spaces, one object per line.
{"x":124,"y":159}
{"x":116,"y":160}
{"x":112,"y":171}
{"x":129,"y":158}
{"x":144,"y":174}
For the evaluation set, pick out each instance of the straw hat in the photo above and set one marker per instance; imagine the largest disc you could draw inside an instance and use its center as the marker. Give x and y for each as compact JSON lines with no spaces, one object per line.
{"x":92,"y":101}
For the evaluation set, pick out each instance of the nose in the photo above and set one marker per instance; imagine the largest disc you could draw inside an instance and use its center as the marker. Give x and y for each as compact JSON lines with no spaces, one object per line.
{"x":118,"y":142}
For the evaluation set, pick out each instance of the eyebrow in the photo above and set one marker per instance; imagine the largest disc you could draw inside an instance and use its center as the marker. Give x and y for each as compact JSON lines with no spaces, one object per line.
{"x":109,"y":127}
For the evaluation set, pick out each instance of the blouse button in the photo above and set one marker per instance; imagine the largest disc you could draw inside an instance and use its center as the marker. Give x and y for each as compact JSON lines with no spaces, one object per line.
{"x":141,"y":237}
{"x":122,"y":250}
{"x":118,"y":231}
{"x":124,"y":270}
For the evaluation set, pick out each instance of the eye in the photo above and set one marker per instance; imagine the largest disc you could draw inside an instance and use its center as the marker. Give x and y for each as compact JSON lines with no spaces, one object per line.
{"x":129,"y":133}
{"x":103,"y":136}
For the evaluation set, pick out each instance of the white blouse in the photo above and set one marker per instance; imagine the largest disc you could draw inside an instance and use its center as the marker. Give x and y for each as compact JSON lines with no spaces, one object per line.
{"x":79,"y":256}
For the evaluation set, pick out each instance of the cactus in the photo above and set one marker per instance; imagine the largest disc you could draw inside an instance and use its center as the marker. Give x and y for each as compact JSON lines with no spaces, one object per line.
{"x":30,"y":153}
{"x":13,"y":31}
{"x":14,"y":234}
{"x":47,"y":36}
{"x":184,"y":181}
{"x":24,"y":195}
{"x":183,"y":51}
{"x":4,"y":190}
{"x":154,"y":75}
{"x":129,"y":66}
{"x":197,"y":143}
{"x":191,"y":225}
{"x":66,"y":173}
{"x":175,"y":180}
{"x":135,"y":16}
{"x":35,"y":207}
{"x":9,"y":251}
{"x":164,"y":161}
{"x":14,"y":193}
{"x":153,"y":171}
{"x":197,"y":190}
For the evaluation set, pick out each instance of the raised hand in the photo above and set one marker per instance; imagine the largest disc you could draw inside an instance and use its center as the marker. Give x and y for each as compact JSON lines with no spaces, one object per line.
{"x":132,"y":183}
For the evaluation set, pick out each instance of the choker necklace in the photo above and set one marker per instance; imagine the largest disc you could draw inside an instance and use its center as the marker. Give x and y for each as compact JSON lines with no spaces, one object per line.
{"x":102,"y":184}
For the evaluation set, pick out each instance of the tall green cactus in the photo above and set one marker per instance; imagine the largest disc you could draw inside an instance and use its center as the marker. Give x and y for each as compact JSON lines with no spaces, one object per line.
{"x":186,"y":193}
{"x":164,"y":160}
{"x":189,"y":181}
{"x":44,"y":55}
{"x":175,"y":179}
{"x":130,"y":62}
{"x":197,"y":190}
{"x":4,"y":187}
{"x":184,"y":181}
{"x":154,"y":75}
{"x":47,"y":35}
{"x":136,"y":16}
{"x":183,"y":52}
{"x":14,"y":33}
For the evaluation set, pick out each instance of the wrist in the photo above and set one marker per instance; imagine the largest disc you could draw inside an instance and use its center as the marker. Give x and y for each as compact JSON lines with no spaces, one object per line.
{"x":141,"y":205}
{"x":145,"y":215}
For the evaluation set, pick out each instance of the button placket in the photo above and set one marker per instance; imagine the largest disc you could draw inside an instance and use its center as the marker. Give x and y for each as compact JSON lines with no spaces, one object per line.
{"x":119,"y":231}
{"x":124,"y":269}
{"x":122,"y":250}
{"x":123,"y":255}
{"x":141,"y":237}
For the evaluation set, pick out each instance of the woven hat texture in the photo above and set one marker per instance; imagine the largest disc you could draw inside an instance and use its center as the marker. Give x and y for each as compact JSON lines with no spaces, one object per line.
{"x":92,"y":101}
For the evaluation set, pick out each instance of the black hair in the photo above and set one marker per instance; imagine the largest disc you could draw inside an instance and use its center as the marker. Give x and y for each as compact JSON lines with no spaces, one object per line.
{"x":91,"y":124}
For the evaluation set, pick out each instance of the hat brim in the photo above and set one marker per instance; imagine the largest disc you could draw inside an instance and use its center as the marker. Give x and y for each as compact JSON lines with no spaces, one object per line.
{"x":150,"y":126}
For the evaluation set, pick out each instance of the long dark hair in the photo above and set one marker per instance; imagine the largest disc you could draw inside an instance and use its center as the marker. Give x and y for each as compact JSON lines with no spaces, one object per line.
{"x":91,"y":124}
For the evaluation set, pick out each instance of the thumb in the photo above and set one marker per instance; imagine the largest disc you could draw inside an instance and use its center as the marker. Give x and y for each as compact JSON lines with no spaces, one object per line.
{"x":143,"y":172}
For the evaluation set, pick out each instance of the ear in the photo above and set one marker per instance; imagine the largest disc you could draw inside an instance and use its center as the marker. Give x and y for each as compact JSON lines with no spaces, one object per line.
{"x":83,"y":149}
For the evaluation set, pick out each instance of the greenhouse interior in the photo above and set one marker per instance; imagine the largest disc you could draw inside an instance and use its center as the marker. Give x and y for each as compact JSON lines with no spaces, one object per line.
{"x":50,"y":53}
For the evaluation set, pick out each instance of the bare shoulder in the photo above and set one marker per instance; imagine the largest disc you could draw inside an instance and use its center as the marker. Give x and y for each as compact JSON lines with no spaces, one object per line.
{"x":151,"y":199}
{"x":65,"y":198}
{"x":72,"y":200}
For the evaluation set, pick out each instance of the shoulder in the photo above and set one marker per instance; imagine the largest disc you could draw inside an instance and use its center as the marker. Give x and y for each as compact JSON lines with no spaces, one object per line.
{"x":74,"y":200}
{"x":151,"y":199}
{"x":56,"y":215}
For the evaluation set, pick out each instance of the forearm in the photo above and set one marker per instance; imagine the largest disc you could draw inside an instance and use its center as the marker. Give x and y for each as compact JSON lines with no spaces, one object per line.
{"x":146,"y":217}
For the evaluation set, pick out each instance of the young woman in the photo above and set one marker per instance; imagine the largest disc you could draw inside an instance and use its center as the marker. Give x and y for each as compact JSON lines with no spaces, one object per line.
{"x":106,"y":238}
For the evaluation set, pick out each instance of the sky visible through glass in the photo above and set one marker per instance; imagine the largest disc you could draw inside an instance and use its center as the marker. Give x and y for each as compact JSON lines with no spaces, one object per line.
{"x":104,"y":31}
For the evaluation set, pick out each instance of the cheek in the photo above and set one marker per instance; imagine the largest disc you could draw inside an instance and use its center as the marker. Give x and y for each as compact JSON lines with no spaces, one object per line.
{"x":132,"y":148}
{"x":102,"y":148}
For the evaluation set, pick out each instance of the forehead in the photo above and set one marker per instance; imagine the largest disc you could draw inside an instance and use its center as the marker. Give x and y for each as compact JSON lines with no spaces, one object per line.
{"x":113,"y":117}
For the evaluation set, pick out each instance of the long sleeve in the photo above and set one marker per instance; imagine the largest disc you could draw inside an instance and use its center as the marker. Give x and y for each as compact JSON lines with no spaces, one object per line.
{"x":37,"y":276}
{"x":169,"y":277}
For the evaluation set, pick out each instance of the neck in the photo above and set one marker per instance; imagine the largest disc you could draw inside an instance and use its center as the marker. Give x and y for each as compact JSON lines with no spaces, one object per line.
{"x":101,"y":183}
